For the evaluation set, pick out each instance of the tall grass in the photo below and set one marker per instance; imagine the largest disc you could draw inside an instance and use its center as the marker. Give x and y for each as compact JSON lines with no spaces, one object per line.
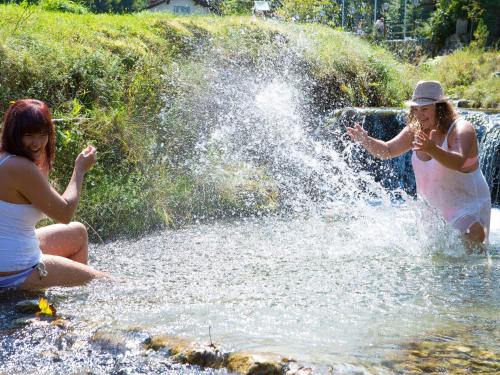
{"x":467,"y":74}
{"x":112,"y":73}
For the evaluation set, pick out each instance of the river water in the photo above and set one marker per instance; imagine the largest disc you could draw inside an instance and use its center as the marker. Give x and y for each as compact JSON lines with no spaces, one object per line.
{"x":345,"y":289}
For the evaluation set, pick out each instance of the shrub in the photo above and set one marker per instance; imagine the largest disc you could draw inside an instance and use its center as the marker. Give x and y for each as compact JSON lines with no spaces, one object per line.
{"x":66,"y":6}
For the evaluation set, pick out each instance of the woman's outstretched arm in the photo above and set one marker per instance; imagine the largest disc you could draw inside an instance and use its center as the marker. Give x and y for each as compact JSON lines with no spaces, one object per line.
{"x":382,"y":149}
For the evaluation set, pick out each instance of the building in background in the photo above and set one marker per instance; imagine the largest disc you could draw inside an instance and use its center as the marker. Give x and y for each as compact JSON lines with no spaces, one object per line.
{"x":180,"y":6}
{"x":261,"y":8}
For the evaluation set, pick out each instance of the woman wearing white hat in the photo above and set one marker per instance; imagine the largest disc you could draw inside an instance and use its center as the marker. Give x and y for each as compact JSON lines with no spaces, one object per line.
{"x":445,"y":160}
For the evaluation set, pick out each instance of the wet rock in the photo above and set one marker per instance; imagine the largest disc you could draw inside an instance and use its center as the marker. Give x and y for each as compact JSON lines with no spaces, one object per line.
{"x":186,"y":352}
{"x":173,"y":344}
{"x":463,"y":103}
{"x":109,"y":341}
{"x":27,"y":307}
{"x":203,"y":356}
{"x":252,"y":364}
{"x":24,"y":321}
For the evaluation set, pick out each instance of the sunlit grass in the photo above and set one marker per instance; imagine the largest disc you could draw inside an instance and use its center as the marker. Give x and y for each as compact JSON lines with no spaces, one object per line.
{"x":467,"y":74}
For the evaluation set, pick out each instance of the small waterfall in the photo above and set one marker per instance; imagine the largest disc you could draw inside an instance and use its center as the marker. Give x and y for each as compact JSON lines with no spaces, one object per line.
{"x":490,"y":157}
{"x":384,"y":124}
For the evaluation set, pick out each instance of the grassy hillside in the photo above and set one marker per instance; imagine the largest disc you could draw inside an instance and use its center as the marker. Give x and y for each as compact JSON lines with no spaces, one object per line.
{"x":467,"y":74}
{"x":115,"y":74}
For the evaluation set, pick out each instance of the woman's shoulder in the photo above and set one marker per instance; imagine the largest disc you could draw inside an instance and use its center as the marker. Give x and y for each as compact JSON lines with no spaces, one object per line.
{"x":463,"y":126}
{"x":461,"y":122}
{"x":17,"y":163}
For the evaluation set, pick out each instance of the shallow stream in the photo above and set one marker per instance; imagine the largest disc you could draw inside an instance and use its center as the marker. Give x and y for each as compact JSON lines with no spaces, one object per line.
{"x":345,"y":289}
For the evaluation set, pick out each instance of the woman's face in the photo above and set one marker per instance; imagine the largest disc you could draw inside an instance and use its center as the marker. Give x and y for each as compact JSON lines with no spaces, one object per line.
{"x":426,"y":116}
{"x":35,"y":144}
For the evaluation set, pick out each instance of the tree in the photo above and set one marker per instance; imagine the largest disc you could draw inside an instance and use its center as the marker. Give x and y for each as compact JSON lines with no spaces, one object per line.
{"x":480,"y":13}
{"x":324,"y":11}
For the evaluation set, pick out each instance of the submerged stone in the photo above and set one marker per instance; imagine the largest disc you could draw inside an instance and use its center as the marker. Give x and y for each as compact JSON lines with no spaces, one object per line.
{"x":251,"y":364}
{"x":27,"y":306}
{"x":24,"y":321}
{"x":108,"y":341}
{"x":211,"y":356}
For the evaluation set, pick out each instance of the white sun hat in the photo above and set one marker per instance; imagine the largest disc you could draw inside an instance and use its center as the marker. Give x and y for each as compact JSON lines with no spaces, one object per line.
{"x":427,"y":92}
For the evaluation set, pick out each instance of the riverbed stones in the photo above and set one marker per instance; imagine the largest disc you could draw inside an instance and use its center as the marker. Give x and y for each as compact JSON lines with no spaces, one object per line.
{"x":211,"y":356}
{"x":448,"y":357}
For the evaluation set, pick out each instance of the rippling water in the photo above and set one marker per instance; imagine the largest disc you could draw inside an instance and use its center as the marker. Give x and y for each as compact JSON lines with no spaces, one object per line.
{"x":347,"y":286}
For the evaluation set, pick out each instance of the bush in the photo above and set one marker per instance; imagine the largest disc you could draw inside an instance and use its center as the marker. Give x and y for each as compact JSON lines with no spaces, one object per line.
{"x":66,"y":6}
{"x":323,"y":11}
{"x":467,"y":74}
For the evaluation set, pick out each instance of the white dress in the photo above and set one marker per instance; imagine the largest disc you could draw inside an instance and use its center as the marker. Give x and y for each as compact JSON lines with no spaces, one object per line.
{"x":461,"y":198}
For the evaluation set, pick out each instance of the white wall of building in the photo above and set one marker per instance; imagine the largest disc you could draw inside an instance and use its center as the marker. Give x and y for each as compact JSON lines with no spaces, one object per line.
{"x":180,"y":7}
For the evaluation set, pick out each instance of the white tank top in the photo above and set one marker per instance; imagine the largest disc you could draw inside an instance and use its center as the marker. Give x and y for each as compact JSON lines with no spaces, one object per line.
{"x":19,"y":246}
{"x":461,"y":198}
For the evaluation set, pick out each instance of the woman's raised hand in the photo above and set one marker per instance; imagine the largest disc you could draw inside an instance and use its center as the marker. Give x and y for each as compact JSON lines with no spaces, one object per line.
{"x":424,"y":142}
{"x":86,"y":159}
{"x":358,"y":134}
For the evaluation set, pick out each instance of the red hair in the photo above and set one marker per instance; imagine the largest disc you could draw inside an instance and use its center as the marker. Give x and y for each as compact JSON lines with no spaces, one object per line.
{"x":28,"y":116}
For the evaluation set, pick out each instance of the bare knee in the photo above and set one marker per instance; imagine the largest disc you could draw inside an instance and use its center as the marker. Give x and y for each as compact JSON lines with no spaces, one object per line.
{"x":476,"y":233}
{"x":80,"y":236}
{"x":80,"y":230}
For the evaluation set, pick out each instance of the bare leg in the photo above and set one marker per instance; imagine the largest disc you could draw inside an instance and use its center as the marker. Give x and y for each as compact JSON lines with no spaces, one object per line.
{"x":61,"y":272}
{"x":475,"y":237}
{"x":65,"y":240}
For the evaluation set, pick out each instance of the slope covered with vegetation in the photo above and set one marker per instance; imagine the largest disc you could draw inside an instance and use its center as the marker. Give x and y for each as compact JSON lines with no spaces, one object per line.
{"x":109,"y":78}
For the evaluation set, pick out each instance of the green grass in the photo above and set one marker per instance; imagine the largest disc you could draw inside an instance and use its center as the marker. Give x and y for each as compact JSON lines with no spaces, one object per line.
{"x":113,"y":71}
{"x":467,"y":74}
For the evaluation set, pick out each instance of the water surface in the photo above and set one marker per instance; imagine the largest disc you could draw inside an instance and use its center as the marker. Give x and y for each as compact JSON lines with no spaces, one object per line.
{"x":345,"y":287}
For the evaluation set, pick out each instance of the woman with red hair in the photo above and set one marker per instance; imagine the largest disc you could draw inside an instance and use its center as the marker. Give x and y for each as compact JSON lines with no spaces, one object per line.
{"x":56,"y":254}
